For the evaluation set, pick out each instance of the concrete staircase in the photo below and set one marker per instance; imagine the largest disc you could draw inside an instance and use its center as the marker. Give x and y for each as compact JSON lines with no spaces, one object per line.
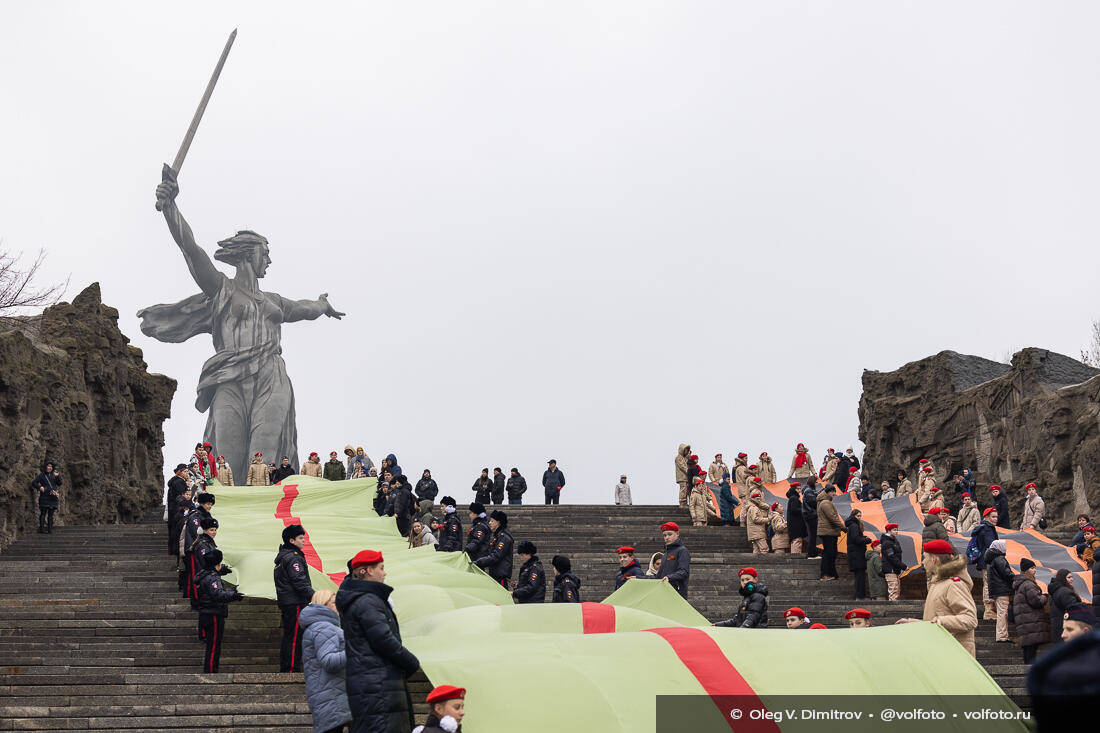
{"x":94,"y":635}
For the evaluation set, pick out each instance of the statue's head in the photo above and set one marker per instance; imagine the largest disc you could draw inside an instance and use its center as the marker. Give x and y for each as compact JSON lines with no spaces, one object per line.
{"x":245,"y":248}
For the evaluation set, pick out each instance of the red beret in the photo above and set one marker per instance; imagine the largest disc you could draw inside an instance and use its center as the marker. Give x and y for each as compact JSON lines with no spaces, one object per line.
{"x":858,"y":613}
{"x":987,"y":511}
{"x":927,"y":468}
{"x":763,"y":454}
{"x":801,"y":445}
{"x":775,"y":505}
{"x":934,"y":510}
{"x":1030,"y":486}
{"x":742,"y":455}
{"x":1088,"y":528}
{"x":693,"y":457}
{"x":795,"y":483}
{"x":830,"y":450}
{"x":853,"y":469}
{"x":699,"y":480}
{"x":667,"y":526}
{"x":923,"y":460}
{"x":995,"y":486}
{"x":625,"y":550}
{"x":818,"y":626}
{"x":221,"y":457}
{"x":891,"y":525}
{"x":752,"y":467}
{"x":875,"y":543}
{"x":747,"y":571}
{"x":313,"y":453}
{"x":332,"y":453}
{"x":446,"y":692}
{"x":366,"y":557}
{"x":967,"y":493}
{"x":757,"y":480}
{"x":795,"y":611}
{"x":257,"y":454}
{"x":208,"y":444}
{"x":717,"y":454}
{"x":938,"y":547}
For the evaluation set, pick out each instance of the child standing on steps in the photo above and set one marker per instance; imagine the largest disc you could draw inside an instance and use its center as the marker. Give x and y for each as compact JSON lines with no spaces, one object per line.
{"x":697,"y":502}
{"x":781,"y":542}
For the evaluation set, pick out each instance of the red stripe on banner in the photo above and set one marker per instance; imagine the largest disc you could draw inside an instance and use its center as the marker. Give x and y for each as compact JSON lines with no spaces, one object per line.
{"x":282,"y":510}
{"x":719,"y":678}
{"x":598,"y":618}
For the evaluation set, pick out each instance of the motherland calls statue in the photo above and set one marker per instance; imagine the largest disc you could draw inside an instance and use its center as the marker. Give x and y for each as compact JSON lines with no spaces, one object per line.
{"x":244,"y":385}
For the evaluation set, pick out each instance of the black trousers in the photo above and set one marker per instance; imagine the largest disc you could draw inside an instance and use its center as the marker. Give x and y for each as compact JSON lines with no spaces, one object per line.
{"x":173,"y":540}
{"x":552,"y":498}
{"x":828,"y":557}
{"x":45,"y":518}
{"x":811,"y":539}
{"x":1029,"y":652}
{"x":403,"y":525}
{"x":290,"y":651}
{"x":212,"y":628}
{"x":860,"y":578}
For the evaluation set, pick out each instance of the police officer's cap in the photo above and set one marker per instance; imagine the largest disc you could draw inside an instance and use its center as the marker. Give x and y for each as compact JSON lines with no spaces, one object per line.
{"x":209,"y":523}
{"x":448,"y":501}
{"x":292,"y":531}
{"x":499,"y":516}
{"x":527,"y":547}
{"x":477,"y":508}
{"x":214,"y":558}
{"x":205,"y":498}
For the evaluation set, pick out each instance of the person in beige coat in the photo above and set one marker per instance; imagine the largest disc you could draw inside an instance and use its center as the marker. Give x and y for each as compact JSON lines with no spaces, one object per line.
{"x":766,"y":468}
{"x":717,"y":468}
{"x":925,"y":483}
{"x":697,"y":502}
{"x":757,"y":522}
{"x":802,"y":465}
{"x":950,"y":601}
{"x":969,"y":516}
{"x":742,"y":475}
{"x":936,"y":498}
{"x":781,"y":543}
{"x":312,"y":467}
{"x":1034,"y":508}
{"x":905,"y":486}
{"x":682,"y":454}
{"x":225,"y":473}
{"x":830,"y":477}
{"x":257,"y":472}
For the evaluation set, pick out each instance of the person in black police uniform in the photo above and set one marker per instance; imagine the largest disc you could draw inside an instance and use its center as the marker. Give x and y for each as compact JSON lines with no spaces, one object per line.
{"x":192,"y":530}
{"x":483,"y":487}
{"x":292,"y":592}
{"x":498,"y":485}
{"x":497,"y":560}
{"x":178,"y":509}
{"x":203,"y":545}
{"x":676,"y":564}
{"x":480,"y":534}
{"x":531,"y":581}
{"x":567,"y":587}
{"x":628,"y":567}
{"x":176,"y":486}
{"x":450,"y":532}
{"x":214,"y":598}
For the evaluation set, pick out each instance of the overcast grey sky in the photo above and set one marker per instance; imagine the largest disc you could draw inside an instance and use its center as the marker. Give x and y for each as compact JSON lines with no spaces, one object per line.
{"x":587,"y":231}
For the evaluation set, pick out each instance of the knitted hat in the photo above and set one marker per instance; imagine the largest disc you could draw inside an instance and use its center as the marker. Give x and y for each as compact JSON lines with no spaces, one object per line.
{"x":1026,"y":564}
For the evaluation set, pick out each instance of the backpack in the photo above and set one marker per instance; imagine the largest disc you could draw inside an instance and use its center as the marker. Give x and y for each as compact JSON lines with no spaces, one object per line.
{"x":973,"y":552}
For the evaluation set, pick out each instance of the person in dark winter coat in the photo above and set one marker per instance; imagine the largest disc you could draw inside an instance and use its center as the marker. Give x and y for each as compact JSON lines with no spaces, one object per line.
{"x":392,"y":465}
{"x":404,"y":505}
{"x":201,"y":549}
{"x":984,"y":535}
{"x":531,"y":581}
{"x":176,"y":486}
{"x":753,"y":612}
{"x":426,"y":491}
{"x":284,"y":471}
{"x":676,"y":563}
{"x":378,"y":665}
{"x":483,"y":487}
{"x":515,"y":487}
{"x":727,"y":501}
{"x":999,"y":577}
{"x":1000,"y":503}
{"x":214,"y":598}
{"x":191,"y":532}
{"x":893,"y":561}
{"x":628,"y":567}
{"x":1062,"y":684}
{"x":480,"y":534}
{"x":450,"y":532}
{"x":497,"y":559}
{"x":498,"y":485}
{"x":796,"y":524}
{"x":567,"y":587}
{"x":334,"y":468}
{"x":876,"y":577}
{"x":809,"y":516}
{"x":324,"y":661}
{"x":1062,"y":596}
{"x":446,"y":709}
{"x":1029,"y":611}
{"x":47,"y":486}
{"x":857,"y":552}
{"x":553,"y":481}
{"x":292,"y":592}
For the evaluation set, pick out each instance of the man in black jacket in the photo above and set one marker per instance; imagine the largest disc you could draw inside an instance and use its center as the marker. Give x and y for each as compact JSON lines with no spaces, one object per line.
{"x":498,"y":485}
{"x":282,"y":472}
{"x":497,"y":560}
{"x":197,"y":552}
{"x":479,"y":536}
{"x":893,"y":561}
{"x":567,"y":586}
{"x":404,"y":505}
{"x":628,"y":567}
{"x":553,"y":481}
{"x":1000,"y":503}
{"x":176,"y":486}
{"x":213,"y":607}
{"x":753,"y":612}
{"x":984,"y":535}
{"x":426,"y":491}
{"x":191,"y":532}
{"x":292,"y":592}
{"x":531,"y":581}
{"x":809,"y":516}
{"x":676,"y":564}
{"x":378,"y":664}
{"x":450,"y":532}
{"x":483,"y":487}
{"x":515,"y":486}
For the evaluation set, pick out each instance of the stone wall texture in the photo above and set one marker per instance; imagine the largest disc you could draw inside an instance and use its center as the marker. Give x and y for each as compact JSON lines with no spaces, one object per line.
{"x":1037,"y":419}
{"x":73,"y":390}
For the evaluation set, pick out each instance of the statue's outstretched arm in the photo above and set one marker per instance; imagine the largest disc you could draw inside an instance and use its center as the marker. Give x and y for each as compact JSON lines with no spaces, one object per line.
{"x":198,"y":262}
{"x":308,"y":310}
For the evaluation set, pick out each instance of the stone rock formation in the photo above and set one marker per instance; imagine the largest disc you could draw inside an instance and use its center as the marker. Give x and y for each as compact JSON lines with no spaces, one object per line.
{"x":73,"y":390}
{"x":1036,"y":420}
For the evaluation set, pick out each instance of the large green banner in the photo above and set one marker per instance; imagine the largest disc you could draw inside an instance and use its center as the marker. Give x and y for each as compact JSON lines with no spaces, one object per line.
{"x":610,"y":666}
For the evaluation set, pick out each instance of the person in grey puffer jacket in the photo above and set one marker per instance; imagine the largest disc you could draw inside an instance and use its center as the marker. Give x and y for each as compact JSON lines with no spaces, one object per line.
{"x":323,"y":661}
